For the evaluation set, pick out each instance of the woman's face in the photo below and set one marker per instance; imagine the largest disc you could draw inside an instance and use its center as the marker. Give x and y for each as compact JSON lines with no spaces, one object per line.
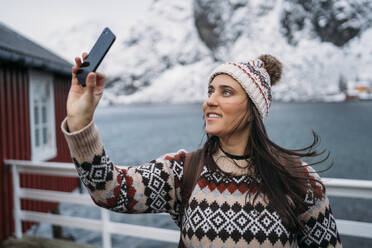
{"x":225,"y":109}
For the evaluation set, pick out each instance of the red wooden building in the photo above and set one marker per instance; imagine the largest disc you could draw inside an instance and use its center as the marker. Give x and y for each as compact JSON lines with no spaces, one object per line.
{"x":34,"y":84}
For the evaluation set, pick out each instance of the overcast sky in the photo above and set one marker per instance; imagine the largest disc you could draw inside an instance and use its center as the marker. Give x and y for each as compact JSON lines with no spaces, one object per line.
{"x":37,"y":19}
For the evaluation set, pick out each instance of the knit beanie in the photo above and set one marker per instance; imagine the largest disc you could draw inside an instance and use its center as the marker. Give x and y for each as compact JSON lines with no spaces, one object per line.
{"x":256,"y":77}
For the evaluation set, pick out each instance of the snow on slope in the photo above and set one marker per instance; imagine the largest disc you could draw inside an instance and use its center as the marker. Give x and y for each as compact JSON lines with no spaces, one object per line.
{"x":163,"y":59}
{"x":163,"y":44}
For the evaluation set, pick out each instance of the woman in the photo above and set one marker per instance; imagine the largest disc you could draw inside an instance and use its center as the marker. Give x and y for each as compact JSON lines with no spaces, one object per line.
{"x":250,"y":192}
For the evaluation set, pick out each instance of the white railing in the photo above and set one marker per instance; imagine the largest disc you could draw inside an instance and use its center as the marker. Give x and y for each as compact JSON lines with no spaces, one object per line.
{"x":335,"y":187}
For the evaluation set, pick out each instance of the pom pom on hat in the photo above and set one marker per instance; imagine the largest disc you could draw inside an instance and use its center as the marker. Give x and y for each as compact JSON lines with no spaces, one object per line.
{"x":273,"y":66}
{"x":256,"y":77}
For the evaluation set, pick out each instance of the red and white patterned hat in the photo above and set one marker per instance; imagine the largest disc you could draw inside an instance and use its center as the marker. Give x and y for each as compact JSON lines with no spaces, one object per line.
{"x":254,"y":79}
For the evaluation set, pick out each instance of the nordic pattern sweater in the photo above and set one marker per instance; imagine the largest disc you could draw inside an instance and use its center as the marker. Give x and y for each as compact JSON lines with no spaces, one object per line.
{"x":221,"y":210}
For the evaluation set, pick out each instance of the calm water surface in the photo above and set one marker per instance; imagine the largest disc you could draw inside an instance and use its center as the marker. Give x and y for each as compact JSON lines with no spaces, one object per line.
{"x":138,"y":133}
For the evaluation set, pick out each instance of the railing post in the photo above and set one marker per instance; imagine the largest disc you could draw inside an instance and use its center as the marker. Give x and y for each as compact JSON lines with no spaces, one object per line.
{"x":17,"y":202}
{"x":106,"y":235}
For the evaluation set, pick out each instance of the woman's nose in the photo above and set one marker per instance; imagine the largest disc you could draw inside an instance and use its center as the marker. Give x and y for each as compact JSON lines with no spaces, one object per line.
{"x":212,"y":100}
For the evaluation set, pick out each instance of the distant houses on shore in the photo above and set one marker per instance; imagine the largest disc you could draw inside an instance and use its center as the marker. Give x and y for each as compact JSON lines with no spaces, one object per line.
{"x":363,"y":93}
{"x":359,"y":92}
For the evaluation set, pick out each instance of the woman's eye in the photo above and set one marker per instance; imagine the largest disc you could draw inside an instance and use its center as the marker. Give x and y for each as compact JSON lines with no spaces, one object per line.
{"x":210,"y":92}
{"x":226,"y":93}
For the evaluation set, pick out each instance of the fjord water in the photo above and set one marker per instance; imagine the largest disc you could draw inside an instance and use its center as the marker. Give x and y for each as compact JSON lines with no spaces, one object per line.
{"x":134,"y":134}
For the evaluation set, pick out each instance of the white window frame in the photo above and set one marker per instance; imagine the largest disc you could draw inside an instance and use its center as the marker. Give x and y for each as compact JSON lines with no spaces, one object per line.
{"x":41,"y":85}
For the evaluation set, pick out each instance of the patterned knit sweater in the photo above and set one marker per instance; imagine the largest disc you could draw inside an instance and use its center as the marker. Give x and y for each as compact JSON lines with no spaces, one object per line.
{"x":221,"y":210}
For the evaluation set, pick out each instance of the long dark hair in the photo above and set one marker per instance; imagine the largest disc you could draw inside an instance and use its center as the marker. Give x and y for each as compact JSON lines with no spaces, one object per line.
{"x":284,"y":180}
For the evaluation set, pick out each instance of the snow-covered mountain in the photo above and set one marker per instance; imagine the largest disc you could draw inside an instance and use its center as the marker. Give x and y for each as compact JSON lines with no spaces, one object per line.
{"x":168,"y":55}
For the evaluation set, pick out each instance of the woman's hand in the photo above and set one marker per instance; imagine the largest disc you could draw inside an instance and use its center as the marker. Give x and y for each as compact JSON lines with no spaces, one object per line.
{"x":82,"y":101}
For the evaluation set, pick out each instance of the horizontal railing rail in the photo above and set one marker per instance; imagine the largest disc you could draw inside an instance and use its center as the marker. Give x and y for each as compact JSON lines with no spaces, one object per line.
{"x":335,"y":187}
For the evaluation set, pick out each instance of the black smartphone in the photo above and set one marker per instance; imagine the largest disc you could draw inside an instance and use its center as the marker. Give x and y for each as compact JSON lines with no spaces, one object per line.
{"x":96,"y":55}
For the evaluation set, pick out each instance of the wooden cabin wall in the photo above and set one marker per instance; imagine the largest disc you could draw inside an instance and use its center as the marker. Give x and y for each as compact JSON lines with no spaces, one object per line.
{"x":15,"y":142}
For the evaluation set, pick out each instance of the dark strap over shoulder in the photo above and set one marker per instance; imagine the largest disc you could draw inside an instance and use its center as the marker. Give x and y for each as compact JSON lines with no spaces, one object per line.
{"x":192,"y":168}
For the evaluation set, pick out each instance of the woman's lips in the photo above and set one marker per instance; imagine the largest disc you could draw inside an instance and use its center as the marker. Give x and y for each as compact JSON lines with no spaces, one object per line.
{"x":213,"y":116}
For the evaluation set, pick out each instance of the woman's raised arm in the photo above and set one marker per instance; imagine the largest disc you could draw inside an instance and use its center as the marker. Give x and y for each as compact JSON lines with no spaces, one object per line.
{"x":149,"y":188}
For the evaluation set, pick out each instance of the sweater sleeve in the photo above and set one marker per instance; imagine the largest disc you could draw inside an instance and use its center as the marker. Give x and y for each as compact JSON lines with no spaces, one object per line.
{"x":320,"y":225}
{"x":149,"y":188}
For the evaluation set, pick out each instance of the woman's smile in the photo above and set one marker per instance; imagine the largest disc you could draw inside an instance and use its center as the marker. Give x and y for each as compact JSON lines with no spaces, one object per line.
{"x":212,"y":116}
